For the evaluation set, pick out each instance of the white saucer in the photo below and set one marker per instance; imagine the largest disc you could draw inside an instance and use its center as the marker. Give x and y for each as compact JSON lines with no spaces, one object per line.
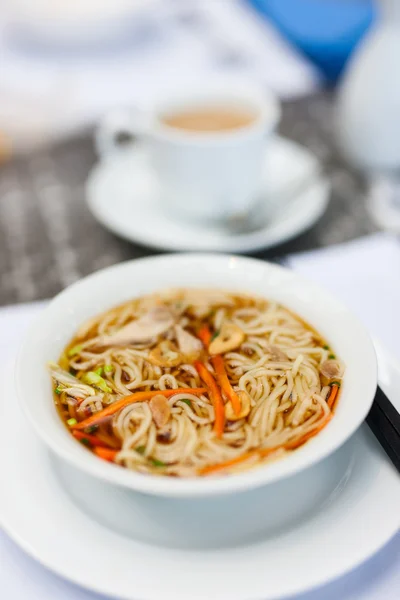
{"x":123,"y":194}
{"x":358,"y":519}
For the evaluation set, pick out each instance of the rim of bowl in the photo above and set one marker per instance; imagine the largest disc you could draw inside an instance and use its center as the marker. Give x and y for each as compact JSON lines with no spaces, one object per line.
{"x":355,"y":402}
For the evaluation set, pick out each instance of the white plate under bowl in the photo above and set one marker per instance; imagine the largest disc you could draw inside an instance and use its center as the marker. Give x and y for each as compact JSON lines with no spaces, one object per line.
{"x":123,"y":195}
{"x":360,"y":516}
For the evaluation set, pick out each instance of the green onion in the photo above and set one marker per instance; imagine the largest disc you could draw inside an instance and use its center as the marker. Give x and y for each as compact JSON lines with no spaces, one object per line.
{"x":141,"y":449}
{"x":214,"y":335}
{"x":58,"y":390}
{"x":187,"y":401}
{"x":332,"y":356}
{"x":326,"y":347}
{"x":157,"y":463}
{"x":99,"y":371}
{"x":108,"y":369}
{"x":72,"y":371}
{"x":92,"y":378}
{"x":71,"y":422}
{"x":91,"y":428}
{"x":85,"y":442}
{"x":335,"y":383}
{"x":75,"y":350}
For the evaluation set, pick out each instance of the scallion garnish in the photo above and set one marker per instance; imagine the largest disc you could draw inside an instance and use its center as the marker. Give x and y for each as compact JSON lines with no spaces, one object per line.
{"x":91,"y":428}
{"x":75,"y":350}
{"x":214,"y":335}
{"x":326,"y":347}
{"x":187,"y":401}
{"x":157,"y":463}
{"x":99,"y":371}
{"x":58,"y":390}
{"x":141,"y":449}
{"x":72,"y":422}
{"x":108,"y":369}
{"x":332,"y":356}
{"x":93,"y":378}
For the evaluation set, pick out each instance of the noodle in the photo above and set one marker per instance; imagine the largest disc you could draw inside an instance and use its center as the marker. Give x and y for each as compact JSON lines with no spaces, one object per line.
{"x":278,"y":368}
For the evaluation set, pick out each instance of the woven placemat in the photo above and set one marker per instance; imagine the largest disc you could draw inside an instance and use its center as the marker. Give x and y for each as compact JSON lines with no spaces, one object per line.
{"x":48,"y":238}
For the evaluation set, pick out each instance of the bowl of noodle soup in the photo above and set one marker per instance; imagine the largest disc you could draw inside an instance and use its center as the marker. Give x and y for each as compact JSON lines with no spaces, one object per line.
{"x":192,"y":377}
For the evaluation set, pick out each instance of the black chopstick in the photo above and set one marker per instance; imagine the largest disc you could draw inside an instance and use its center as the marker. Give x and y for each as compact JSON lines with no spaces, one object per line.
{"x":392,"y":415}
{"x":384,"y":421}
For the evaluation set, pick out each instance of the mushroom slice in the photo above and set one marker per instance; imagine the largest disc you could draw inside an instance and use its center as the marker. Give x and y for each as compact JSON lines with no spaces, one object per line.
{"x":165,"y":355}
{"x":160,"y":410}
{"x":229,"y":337}
{"x":188,"y":345}
{"x":155,"y":322}
{"x":244,"y":409}
{"x":331,"y":369}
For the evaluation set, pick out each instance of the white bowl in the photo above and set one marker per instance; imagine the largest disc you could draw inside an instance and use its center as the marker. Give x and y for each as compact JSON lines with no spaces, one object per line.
{"x":104,"y":289}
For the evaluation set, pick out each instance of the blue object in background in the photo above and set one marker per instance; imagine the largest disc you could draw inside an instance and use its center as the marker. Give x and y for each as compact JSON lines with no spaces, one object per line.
{"x":326,"y":31}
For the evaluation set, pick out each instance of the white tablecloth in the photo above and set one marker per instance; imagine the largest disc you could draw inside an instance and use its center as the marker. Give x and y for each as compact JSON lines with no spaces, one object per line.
{"x":366,"y":275}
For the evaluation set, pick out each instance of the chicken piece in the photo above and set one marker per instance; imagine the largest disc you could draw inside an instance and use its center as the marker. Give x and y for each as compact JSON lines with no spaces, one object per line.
{"x":331,"y":369}
{"x":154,"y":323}
{"x":201,"y":302}
{"x":160,"y":410}
{"x":277,"y":354}
{"x":188,"y":345}
{"x":69,"y":381}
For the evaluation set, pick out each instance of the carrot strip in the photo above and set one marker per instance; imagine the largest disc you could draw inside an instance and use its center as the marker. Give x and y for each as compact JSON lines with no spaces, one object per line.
{"x":218,"y":403}
{"x":332,"y":396}
{"x":92,"y":439}
{"x":296,"y":443}
{"x":111,"y":409}
{"x":227,"y":463}
{"x":106,"y":453}
{"x":222,"y":378}
{"x":263,"y":452}
{"x":205,"y":336}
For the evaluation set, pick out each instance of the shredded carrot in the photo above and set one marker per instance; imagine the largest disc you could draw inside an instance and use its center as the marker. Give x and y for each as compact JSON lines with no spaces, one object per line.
{"x":222,"y":378}
{"x":92,"y":439}
{"x":227,"y":463}
{"x":296,"y":443}
{"x":216,"y":396}
{"x":111,"y":409}
{"x":263,"y":452}
{"x":205,"y":336}
{"x":106,"y":453}
{"x":332,"y":396}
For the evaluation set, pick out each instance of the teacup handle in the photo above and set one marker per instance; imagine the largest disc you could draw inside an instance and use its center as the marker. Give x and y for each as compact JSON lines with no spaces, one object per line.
{"x":118,"y":129}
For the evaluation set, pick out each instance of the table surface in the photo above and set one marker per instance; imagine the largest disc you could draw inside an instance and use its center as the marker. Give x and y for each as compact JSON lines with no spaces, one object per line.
{"x":48,"y":238}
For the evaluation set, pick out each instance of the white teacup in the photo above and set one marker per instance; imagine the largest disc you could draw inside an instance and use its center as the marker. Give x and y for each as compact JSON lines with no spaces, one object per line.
{"x":206,"y":171}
